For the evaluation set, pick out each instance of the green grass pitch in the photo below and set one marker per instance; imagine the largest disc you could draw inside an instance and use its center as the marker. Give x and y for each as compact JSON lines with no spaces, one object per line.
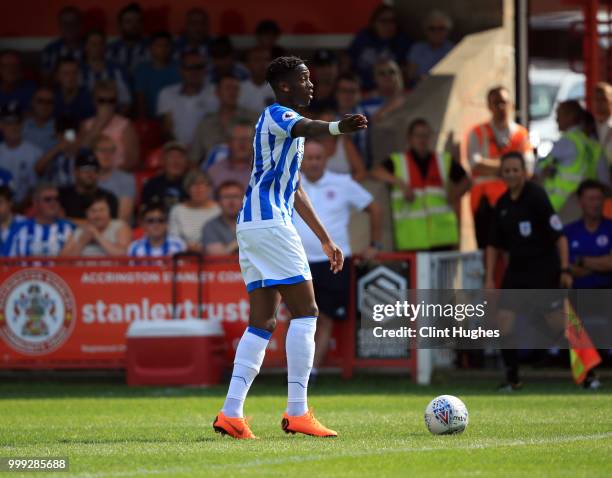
{"x":108,"y":430}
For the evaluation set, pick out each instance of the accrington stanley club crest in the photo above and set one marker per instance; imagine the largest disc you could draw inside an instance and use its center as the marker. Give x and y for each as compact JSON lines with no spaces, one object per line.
{"x":37,"y":311}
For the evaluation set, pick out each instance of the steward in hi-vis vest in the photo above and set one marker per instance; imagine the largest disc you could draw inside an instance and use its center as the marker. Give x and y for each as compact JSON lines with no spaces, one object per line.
{"x":425,"y":188}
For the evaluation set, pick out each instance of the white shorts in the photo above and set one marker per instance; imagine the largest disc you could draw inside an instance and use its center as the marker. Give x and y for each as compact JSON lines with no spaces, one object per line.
{"x":272,"y":256}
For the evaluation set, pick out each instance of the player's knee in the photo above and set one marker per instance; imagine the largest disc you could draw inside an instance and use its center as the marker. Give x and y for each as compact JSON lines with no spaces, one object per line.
{"x":270,"y":324}
{"x":311,"y":310}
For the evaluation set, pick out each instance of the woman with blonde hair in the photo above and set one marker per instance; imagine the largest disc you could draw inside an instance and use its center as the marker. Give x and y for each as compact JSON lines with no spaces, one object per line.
{"x":117,"y":127}
{"x":187,"y":219}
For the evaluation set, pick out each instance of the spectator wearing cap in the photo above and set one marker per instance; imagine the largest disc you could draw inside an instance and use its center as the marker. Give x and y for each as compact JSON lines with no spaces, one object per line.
{"x":46,"y":232}
{"x":182,"y":106}
{"x":13,"y":88}
{"x":131,"y":48}
{"x":39,"y":127}
{"x":187,"y":219}
{"x":9,"y":222}
{"x":17,"y":156}
{"x":347,"y":94}
{"x":68,"y":45}
{"x":196,"y":34}
{"x":389,"y":93}
{"x":237,"y":165}
{"x":76,"y":198}
{"x":113,"y":179}
{"x":154,"y":75}
{"x":156,"y":241}
{"x":215,"y":127}
{"x":109,"y":122}
{"x":100,"y":234}
{"x":95,"y":67}
{"x":324,"y":75}
{"x":256,"y":93}
{"x":267,"y":33}
{"x":71,"y":99}
{"x":57,"y":164}
{"x":424,"y":55}
{"x":223,"y":61}
{"x":219,"y":234}
{"x":167,"y":187}
{"x":382,"y":39}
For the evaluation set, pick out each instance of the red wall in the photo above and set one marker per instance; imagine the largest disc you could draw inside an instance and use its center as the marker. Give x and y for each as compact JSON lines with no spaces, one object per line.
{"x":37,"y":18}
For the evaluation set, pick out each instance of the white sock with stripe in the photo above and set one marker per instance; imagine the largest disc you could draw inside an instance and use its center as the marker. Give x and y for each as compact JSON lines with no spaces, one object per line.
{"x":300,"y":348}
{"x":249,"y":357}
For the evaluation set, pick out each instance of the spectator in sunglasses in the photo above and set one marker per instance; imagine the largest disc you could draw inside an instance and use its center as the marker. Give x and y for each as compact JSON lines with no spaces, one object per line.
{"x":182,"y":106}
{"x":46,"y":233}
{"x":389,"y":93}
{"x":156,"y":241}
{"x":424,"y":55}
{"x":117,"y":127}
{"x":39,"y":128}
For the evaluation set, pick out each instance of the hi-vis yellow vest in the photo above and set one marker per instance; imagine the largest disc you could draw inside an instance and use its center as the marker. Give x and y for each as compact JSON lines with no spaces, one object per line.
{"x":428,"y":221}
{"x":568,"y":177}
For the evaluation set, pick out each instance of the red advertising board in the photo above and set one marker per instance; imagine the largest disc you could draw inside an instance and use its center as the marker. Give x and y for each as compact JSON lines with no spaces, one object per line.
{"x":75,"y":313}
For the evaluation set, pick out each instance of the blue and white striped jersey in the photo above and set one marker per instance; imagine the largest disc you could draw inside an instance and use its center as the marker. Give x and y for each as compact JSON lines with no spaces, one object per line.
{"x":268,"y":200}
{"x":143,"y":248}
{"x":34,"y":239}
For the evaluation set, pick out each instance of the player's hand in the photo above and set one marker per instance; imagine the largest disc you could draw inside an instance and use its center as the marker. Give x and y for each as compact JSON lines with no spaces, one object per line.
{"x":352,"y":123}
{"x":566,"y":280}
{"x":334,"y":253}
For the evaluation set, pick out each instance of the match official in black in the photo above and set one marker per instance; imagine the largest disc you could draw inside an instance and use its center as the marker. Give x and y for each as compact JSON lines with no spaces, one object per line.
{"x":526,"y":227}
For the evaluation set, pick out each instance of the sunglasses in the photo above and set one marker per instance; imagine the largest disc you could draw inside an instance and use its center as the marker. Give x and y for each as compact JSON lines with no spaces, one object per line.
{"x":108,"y":100}
{"x":194,"y":67}
{"x":155,"y":220}
{"x":48,"y":199}
{"x":45,"y":101}
{"x":389,"y":72}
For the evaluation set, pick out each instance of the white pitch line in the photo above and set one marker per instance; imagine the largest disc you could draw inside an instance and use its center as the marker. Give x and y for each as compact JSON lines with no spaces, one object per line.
{"x":312,"y":458}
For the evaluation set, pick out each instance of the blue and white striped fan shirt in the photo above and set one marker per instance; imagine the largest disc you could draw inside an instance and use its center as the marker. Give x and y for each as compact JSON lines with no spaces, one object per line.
{"x":143,"y":248}
{"x":268,"y":200}
{"x":34,"y":239}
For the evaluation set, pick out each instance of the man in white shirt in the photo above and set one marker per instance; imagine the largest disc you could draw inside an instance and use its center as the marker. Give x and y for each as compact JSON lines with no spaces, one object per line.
{"x":256,"y":93}
{"x":602,"y":111}
{"x":17,"y":156}
{"x":183,"y":105}
{"x":334,"y":196}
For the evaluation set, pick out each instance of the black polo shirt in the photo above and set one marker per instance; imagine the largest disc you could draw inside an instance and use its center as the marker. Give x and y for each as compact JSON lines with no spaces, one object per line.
{"x":75,"y":204}
{"x":527,"y":228}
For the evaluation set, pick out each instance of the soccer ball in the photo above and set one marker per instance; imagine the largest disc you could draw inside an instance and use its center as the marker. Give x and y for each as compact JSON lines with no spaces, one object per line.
{"x":446,"y":415}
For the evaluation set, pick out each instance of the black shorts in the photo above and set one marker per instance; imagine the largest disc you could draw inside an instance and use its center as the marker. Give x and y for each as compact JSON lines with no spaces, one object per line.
{"x":331,"y":290}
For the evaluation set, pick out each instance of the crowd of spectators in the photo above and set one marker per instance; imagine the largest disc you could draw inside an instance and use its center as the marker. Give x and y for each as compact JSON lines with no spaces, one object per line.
{"x":143,"y":145}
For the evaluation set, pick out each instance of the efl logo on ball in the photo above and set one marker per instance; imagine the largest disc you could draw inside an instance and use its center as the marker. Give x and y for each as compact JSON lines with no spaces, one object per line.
{"x":37,"y":311}
{"x":446,"y":415}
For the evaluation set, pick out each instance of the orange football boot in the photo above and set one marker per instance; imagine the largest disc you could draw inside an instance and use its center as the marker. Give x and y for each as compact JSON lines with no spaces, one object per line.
{"x":306,"y":424}
{"x":235,"y":427}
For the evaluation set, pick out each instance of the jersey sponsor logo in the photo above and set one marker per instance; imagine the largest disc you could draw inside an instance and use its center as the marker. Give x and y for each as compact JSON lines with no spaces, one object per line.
{"x":37,"y":311}
{"x":602,"y":240}
{"x":555,"y":223}
{"x":525,"y":228}
{"x":287,"y":115}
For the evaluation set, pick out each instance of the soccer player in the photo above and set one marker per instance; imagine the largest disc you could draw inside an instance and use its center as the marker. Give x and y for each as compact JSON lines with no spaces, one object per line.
{"x":272,"y":258}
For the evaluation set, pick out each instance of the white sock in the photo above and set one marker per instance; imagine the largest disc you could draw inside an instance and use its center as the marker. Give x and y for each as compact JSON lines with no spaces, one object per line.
{"x":300,"y":347}
{"x":249,"y":357}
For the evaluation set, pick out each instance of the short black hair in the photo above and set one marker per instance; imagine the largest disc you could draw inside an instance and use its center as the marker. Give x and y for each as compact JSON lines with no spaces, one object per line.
{"x":6,"y":193}
{"x":93,"y":33}
{"x":161,"y":35}
{"x":66,"y":122}
{"x":221,"y":47}
{"x":590,"y":184}
{"x":514,"y":155}
{"x":152,"y":206}
{"x":280,"y":68}
{"x":133,"y":7}
{"x":415,"y":123}
{"x":267,"y":26}
{"x":98,"y":196}
{"x":66,"y":59}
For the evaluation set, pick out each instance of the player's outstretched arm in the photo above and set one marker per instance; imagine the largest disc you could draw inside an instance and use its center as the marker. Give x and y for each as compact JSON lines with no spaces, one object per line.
{"x":304,"y":208}
{"x":308,"y":128}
